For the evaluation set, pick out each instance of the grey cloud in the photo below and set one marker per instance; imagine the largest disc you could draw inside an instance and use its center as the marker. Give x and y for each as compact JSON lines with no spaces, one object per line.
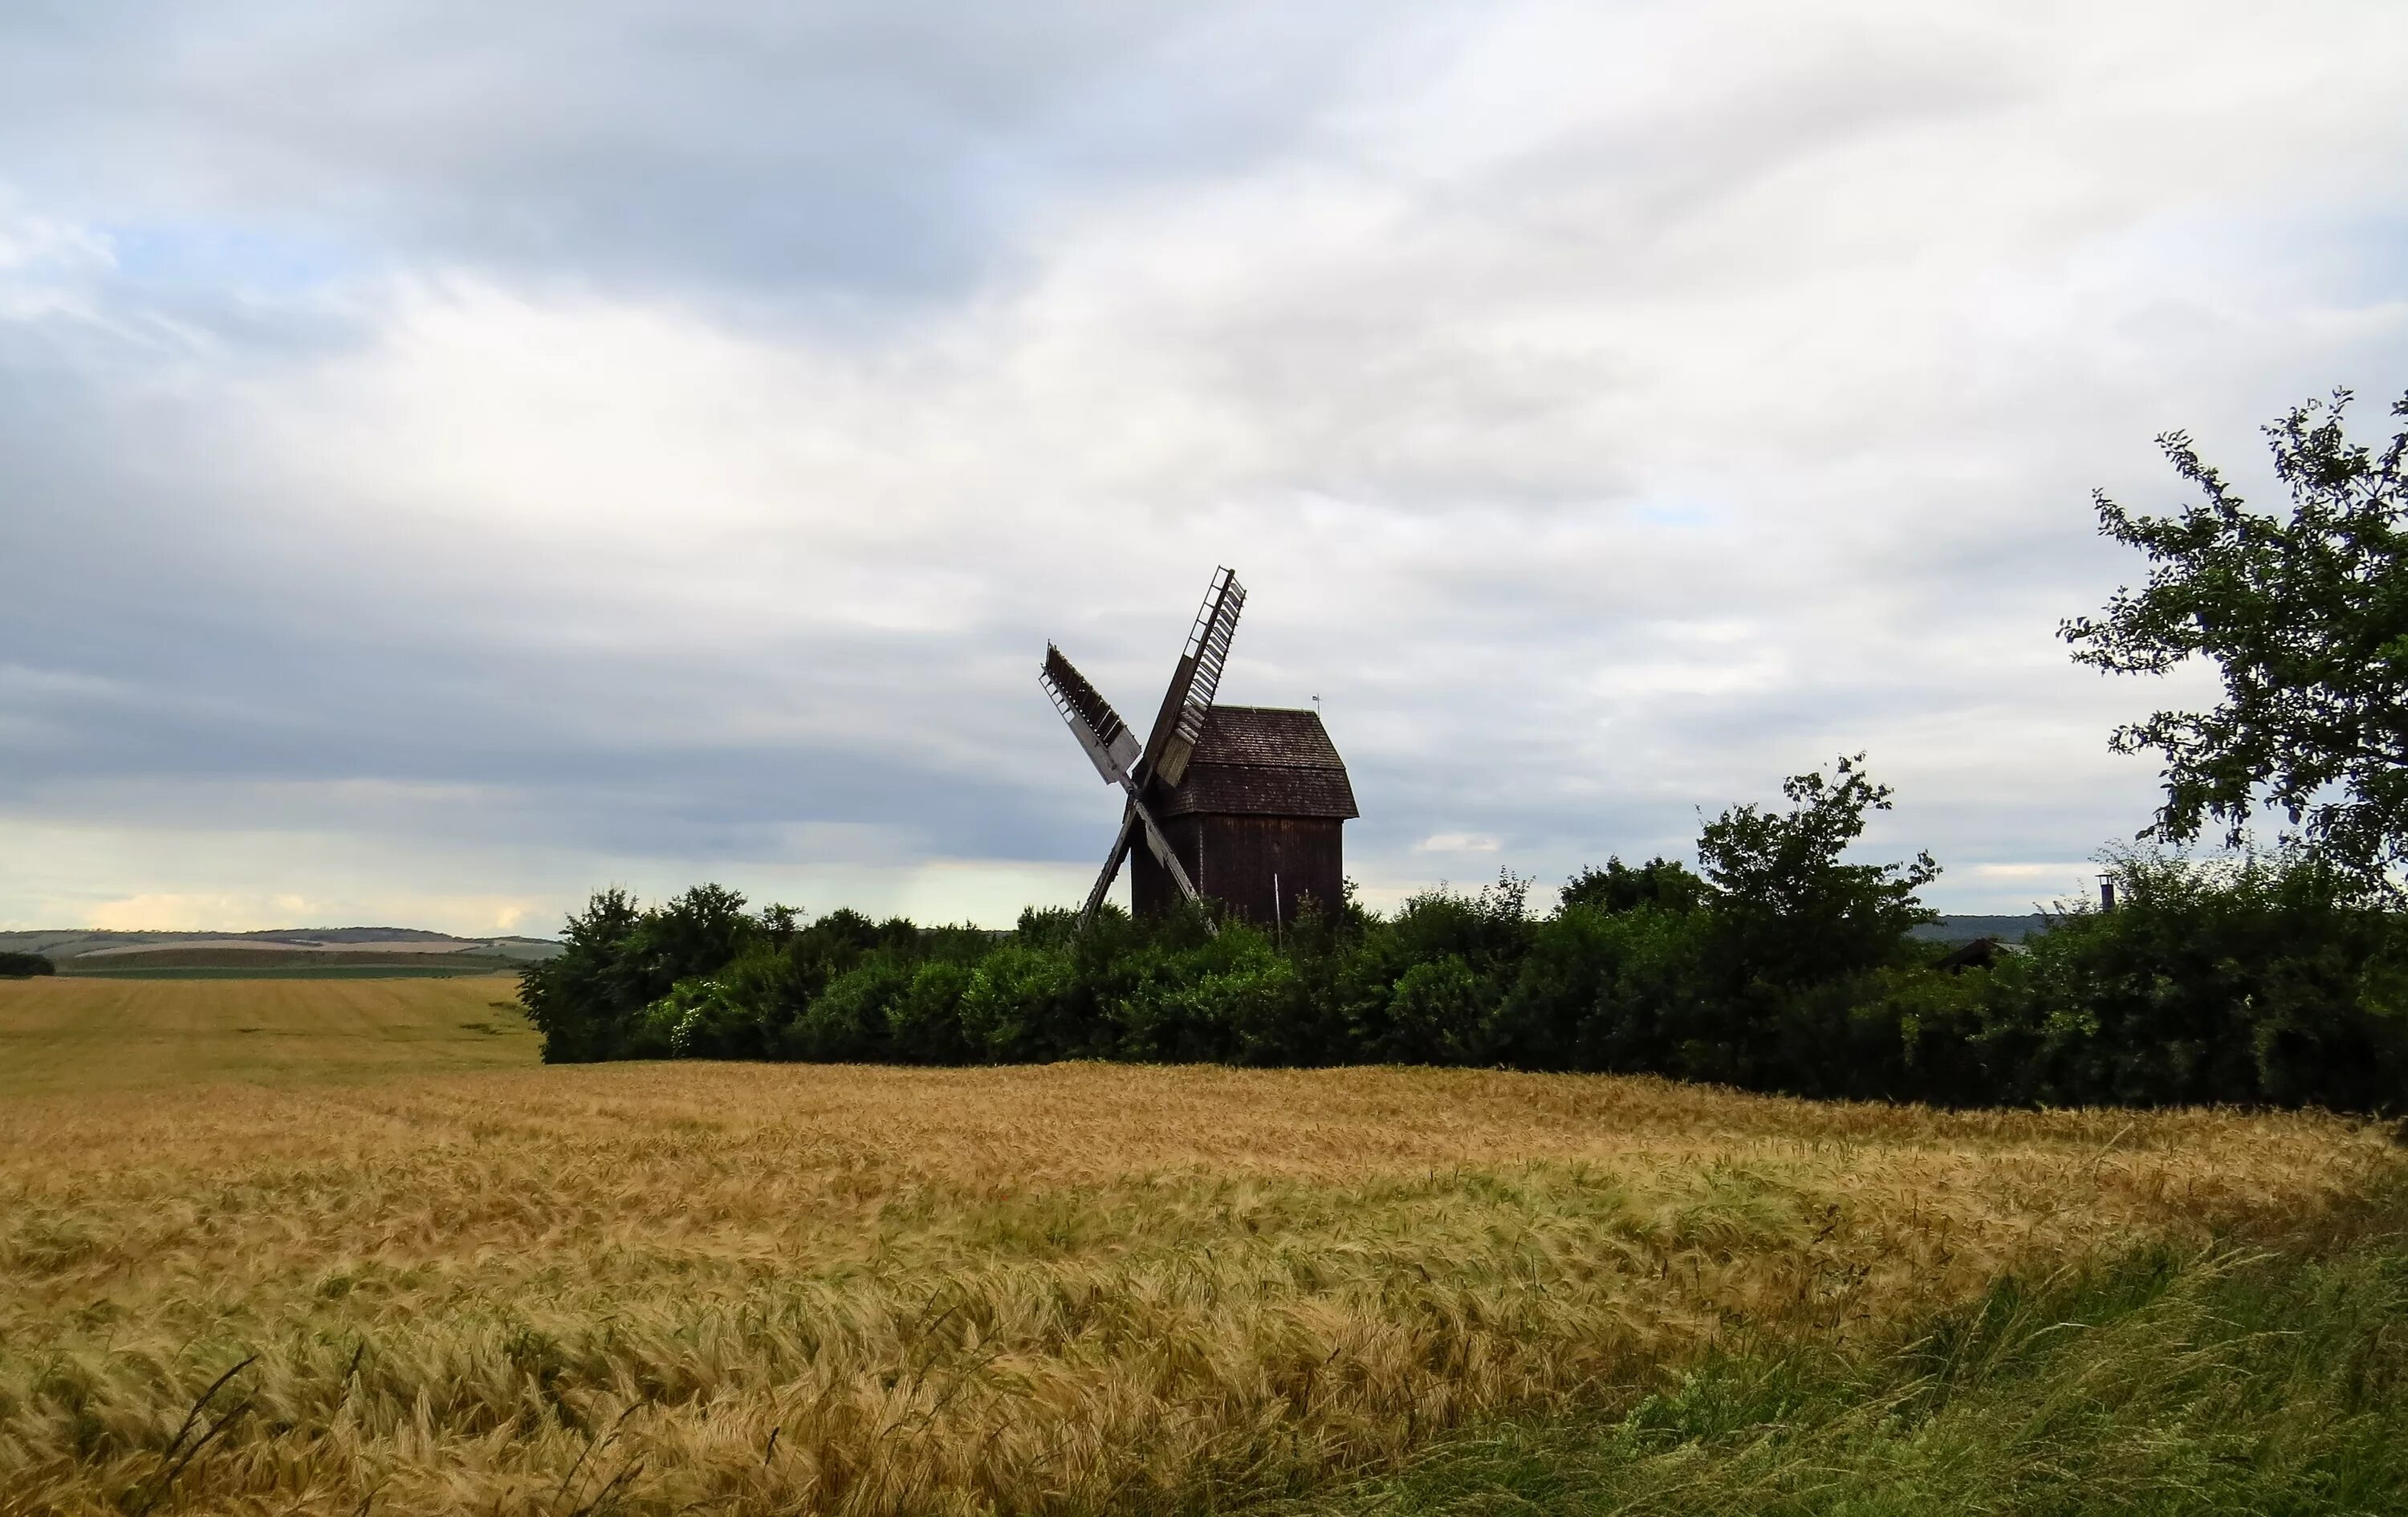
{"x":730,"y":151}
{"x":1586,"y":486}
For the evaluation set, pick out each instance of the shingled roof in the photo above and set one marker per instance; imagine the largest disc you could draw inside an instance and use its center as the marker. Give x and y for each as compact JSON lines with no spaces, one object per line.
{"x":1263,"y":761}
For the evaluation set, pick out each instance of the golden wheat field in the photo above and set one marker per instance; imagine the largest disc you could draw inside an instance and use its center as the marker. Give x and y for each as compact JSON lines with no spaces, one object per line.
{"x":421,"y":1287}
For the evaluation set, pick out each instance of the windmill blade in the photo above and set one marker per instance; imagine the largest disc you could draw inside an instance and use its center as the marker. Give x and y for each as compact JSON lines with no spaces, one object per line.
{"x":1181,"y":721}
{"x":1109,"y":745}
{"x":1134,"y":818}
{"x":1163,"y":853}
{"x":1111,"y":867}
{"x":1114,"y":748}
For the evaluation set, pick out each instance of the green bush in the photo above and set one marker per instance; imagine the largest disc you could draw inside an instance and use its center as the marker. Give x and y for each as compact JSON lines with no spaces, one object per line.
{"x":2259,"y":980}
{"x":1021,"y":1004}
{"x":848,"y":1023}
{"x":25,"y":966}
{"x":1785,"y":967}
{"x":924,"y":1020}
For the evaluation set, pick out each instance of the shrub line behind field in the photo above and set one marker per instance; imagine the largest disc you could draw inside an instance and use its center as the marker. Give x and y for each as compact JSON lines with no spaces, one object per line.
{"x":2261,"y":980}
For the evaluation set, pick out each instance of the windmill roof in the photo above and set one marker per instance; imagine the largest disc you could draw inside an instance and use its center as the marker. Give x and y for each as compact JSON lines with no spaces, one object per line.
{"x":1263,"y":761}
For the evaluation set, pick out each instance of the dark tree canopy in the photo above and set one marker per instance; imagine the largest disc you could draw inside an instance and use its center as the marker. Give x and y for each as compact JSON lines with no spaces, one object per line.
{"x":2305,"y":614}
{"x":1659,"y":882}
{"x":1787,"y":910}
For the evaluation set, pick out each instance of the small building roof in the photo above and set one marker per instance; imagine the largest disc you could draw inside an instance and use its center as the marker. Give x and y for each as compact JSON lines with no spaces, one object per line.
{"x":1263,"y":761}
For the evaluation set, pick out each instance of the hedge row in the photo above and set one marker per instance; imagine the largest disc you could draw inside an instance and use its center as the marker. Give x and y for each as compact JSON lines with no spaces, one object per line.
{"x":2256,"y":981}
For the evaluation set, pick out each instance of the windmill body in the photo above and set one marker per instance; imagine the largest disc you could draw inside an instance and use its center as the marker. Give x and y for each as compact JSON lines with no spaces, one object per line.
{"x":1243,"y":805}
{"x":1257,"y":818}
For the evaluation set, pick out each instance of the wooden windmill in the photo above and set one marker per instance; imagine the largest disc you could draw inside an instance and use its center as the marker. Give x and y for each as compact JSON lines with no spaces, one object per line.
{"x":1241,"y":804}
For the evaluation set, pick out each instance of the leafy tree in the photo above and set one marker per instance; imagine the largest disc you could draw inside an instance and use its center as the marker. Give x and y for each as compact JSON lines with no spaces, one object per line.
{"x":2260,"y":978}
{"x":923,"y":1023}
{"x":695,"y":934}
{"x":1660,"y":882}
{"x":1606,"y":990}
{"x":2305,"y":613}
{"x":581,"y":999}
{"x":848,"y":1020}
{"x":1787,"y":912}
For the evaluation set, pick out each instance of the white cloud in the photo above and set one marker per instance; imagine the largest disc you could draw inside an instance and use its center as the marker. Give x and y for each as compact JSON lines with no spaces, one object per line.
{"x":46,"y":264}
{"x":1458,"y":842}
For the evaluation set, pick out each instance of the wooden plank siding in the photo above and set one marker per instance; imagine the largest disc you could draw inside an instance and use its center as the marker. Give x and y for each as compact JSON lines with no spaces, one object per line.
{"x":1259,"y":866}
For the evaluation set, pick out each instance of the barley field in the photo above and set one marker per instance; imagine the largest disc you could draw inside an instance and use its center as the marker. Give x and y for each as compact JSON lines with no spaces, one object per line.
{"x":372,"y":1260}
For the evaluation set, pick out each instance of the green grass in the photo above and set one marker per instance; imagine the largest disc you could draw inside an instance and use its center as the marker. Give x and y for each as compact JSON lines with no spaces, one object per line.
{"x":2214,"y":1383}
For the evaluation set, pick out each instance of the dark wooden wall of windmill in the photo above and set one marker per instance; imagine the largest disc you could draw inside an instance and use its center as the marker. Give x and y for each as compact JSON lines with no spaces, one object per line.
{"x":1233,"y":859}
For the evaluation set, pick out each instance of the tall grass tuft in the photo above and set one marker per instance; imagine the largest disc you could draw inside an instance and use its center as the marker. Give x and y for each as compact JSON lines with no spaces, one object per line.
{"x":2171,"y":1381}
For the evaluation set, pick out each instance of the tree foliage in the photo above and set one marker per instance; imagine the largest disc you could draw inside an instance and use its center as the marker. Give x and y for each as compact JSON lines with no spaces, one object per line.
{"x":1787,"y":966}
{"x":1663,"y":883}
{"x":1790,"y":909}
{"x":2304,"y":612}
{"x":2265,"y":978}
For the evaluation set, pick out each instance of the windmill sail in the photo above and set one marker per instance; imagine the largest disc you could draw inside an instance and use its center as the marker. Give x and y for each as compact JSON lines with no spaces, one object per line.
{"x":1134,"y":819}
{"x":1111,"y":870}
{"x":1114,"y":748}
{"x":1181,"y":721}
{"x":1109,"y":745}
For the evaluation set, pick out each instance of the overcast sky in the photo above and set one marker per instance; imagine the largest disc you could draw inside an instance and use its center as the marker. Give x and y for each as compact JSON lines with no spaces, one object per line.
{"x":456,"y":456}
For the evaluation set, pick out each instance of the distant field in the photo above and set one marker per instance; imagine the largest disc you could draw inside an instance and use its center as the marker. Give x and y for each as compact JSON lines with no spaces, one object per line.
{"x":242,"y":963}
{"x":83,"y":1033}
{"x":439,"y":1278}
{"x":78,"y":950}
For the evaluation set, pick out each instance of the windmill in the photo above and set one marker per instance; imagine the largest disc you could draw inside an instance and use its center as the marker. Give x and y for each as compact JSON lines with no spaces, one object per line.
{"x":1239,"y":803}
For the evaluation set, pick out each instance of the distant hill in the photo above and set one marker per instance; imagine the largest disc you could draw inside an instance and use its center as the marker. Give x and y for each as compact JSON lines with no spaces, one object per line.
{"x":1966,"y":929}
{"x":283,"y":951}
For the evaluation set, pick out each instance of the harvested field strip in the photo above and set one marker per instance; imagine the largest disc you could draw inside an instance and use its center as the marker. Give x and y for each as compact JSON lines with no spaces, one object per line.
{"x":1074,"y":1288}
